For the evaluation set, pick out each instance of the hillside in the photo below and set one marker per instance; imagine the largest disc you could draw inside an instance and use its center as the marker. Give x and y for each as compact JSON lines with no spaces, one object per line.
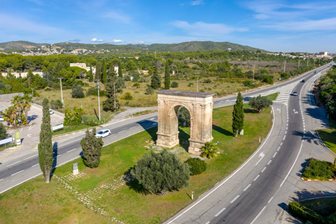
{"x":18,"y":45}
{"x":176,"y":47}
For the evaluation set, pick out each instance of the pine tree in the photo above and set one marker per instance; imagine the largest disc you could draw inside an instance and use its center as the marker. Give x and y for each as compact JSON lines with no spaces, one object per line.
{"x":238,"y":116}
{"x":91,"y":149}
{"x":155,"y":80}
{"x":45,"y":149}
{"x":111,"y":103}
{"x":167,"y":74}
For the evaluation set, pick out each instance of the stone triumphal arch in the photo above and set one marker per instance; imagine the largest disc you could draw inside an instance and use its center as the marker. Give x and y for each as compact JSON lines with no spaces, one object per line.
{"x":200,"y":107}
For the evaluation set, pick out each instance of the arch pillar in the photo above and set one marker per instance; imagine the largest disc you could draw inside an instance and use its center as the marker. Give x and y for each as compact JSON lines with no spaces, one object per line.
{"x":199,"y":105}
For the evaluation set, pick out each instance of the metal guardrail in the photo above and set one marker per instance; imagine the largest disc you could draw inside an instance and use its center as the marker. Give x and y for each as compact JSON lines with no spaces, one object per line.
{"x":57,"y":127}
{"x":6,"y":141}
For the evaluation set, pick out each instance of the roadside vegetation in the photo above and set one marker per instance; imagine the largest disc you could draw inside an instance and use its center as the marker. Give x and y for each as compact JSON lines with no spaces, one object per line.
{"x":315,"y":211}
{"x":326,"y":93}
{"x":108,"y":188}
{"x":319,"y":170}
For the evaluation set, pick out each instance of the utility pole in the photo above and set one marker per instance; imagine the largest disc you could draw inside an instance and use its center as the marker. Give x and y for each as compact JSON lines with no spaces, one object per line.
{"x":99,"y":117}
{"x":197,"y":84}
{"x":114,"y":98}
{"x":62,"y":99}
{"x":253,"y":70}
{"x":284,"y":68}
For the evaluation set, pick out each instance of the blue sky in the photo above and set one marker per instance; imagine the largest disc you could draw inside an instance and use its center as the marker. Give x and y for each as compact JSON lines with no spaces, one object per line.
{"x":277,"y":25}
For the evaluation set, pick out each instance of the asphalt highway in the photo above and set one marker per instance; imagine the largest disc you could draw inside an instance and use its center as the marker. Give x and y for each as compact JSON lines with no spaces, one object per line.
{"x":24,"y":169}
{"x":250,"y":202}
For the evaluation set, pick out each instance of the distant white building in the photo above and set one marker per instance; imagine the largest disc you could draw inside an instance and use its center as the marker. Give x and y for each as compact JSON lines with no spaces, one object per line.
{"x":116,"y":69}
{"x":83,"y":66}
{"x":21,"y":74}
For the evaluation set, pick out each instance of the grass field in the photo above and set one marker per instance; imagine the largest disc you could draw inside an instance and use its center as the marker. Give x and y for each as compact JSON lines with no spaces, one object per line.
{"x":36,"y":202}
{"x":220,"y":87}
{"x":328,"y":136}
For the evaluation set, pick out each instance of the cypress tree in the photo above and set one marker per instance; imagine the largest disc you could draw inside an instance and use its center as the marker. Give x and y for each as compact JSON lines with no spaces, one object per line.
{"x":91,"y":149}
{"x":120,"y":74}
{"x":103,"y":73}
{"x":155,"y":80}
{"x":238,"y":116}
{"x":45,"y":149}
{"x":98,"y":71}
{"x":167,"y":74}
{"x":111,"y":103}
{"x":90,"y":75}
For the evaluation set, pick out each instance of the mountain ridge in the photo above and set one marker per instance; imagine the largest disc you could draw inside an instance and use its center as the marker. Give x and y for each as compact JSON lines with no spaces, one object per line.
{"x":188,"y":46}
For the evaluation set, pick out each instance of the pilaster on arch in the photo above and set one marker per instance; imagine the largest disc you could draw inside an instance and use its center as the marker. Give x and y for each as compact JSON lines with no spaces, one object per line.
{"x":199,"y":105}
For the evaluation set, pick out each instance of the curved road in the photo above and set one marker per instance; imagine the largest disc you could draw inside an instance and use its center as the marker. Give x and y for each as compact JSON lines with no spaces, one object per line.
{"x":26,"y":168}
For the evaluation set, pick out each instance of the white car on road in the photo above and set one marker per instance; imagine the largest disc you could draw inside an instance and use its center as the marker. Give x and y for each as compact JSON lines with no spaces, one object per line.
{"x":103,"y":133}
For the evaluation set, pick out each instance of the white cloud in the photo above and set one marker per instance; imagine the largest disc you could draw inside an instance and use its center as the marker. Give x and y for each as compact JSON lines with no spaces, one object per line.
{"x":117,"y":17}
{"x":196,"y":2}
{"x":305,"y":25}
{"x":117,"y":41}
{"x":95,"y":39}
{"x":206,"y":29}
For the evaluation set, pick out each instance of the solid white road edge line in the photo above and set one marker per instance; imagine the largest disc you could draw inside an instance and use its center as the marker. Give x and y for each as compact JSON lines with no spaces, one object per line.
{"x":229,"y":177}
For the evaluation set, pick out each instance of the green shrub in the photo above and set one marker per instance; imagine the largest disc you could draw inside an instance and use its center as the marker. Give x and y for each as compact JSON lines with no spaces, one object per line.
{"x":317,"y":169}
{"x":174,"y":85}
{"x":93,"y":91}
{"x":249,"y":83}
{"x":56,"y":104}
{"x":260,"y":102}
{"x":3,"y":132}
{"x":136,"y":85}
{"x":160,"y":172}
{"x":304,"y":213}
{"x":77,"y":92}
{"x":209,"y":150}
{"x":196,"y":166}
{"x":73,"y":116}
{"x":190,"y":84}
{"x":207,"y":81}
{"x":149,"y":90}
{"x":127,"y":96}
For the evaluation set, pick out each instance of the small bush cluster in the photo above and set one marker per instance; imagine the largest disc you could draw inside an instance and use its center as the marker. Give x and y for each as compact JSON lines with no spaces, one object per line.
{"x":308,"y":215}
{"x":56,"y":104}
{"x":174,"y":84}
{"x":318,"y":169}
{"x":77,"y":92}
{"x":196,"y":166}
{"x":127,"y":96}
{"x":160,"y":172}
{"x":73,"y":116}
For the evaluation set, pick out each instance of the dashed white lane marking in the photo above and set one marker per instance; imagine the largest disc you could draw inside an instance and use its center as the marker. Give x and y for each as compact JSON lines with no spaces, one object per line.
{"x":247,"y":187}
{"x":278,"y":149}
{"x":269,"y":162}
{"x":284,"y":138}
{"x":71,"y":150}
{"x":218,"y":213}
{"x":233,"y":200}
{"x":34,"y":165}
{"x":263,"y":170}
{"x":256,"y":178}
{"x":281,"y":144}
{"x":262,"y":210}
{"x":13,"y":174}
{"x":207,"y":222}
{"x":269,"y":201}
{"x":12,"y":164}
{"x":274,"y":155}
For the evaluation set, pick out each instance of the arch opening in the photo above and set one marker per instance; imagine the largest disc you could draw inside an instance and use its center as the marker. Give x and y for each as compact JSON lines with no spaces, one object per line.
{"x":183,"y":125}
